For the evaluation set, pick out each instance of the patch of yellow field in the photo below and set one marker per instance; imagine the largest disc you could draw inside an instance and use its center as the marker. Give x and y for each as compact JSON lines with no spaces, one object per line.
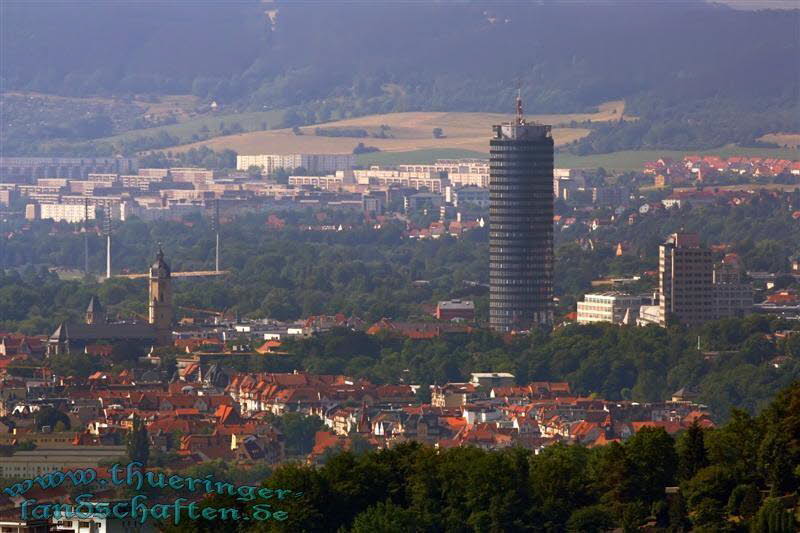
{"x":790,"y":140}
{"x":284,"y":141}
{"x":409,"y":131}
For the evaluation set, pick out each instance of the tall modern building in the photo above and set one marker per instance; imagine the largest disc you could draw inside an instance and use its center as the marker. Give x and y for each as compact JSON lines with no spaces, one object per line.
{"x":686,"y":279}
{"x":521,"y":225}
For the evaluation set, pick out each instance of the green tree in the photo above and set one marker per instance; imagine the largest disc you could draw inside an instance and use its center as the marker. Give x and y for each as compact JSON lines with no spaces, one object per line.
{"x":593,"y":519}
{"x":138,"y":442}
{"x":744,"y":500}
{"x":126,"y":353}
{"x":50,"y":416}
{"x":254,"y":171}
{"x":560,"y":482}
{"x":385,"y":517}
{"x":654,"y":460}
{"x":423,"y":394}
{"x":692,"y":454}
{"x":772,"y":517}
{"x":678,"y":519}
{"x":299,"y":431}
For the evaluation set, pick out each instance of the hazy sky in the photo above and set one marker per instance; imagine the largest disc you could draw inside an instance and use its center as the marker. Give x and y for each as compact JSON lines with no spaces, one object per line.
{"x":760,"y":4}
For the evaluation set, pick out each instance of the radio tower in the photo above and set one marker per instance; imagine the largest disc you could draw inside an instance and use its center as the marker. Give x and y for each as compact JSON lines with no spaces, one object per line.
{"x":215,"y":227}
{"x":107,"y":233}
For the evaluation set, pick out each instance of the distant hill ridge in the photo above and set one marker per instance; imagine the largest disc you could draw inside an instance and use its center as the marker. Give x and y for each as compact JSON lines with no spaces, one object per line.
{"x":329,"y":60}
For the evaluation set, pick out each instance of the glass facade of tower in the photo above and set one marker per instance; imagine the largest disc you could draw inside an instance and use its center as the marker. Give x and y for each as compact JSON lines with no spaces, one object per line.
{"x":521,"y":227}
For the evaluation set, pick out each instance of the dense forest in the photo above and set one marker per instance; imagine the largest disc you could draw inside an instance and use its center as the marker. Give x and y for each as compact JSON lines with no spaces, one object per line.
{"x":696,"y":75}
{"x":741,"y":477}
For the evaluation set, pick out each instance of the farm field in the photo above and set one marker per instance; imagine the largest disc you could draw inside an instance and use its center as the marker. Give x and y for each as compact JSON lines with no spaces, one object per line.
{"x":621,"y":161}
{"x":406,"y":132}
{"x":782,"y":139}
{"x":415,"y":156}
{"x":634,"y":159}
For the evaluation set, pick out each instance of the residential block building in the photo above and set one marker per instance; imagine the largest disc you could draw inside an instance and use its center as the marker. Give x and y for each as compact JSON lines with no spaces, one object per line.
{"x":313,"y":163}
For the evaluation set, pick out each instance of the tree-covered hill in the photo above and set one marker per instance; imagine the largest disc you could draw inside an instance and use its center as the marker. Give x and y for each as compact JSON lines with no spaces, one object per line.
{"x":697,"y":75}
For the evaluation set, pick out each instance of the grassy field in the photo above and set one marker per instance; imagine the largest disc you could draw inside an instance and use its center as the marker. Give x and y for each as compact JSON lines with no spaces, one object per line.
{"x":407,"y":132}
{"x":748,"y":187}
{"x":185,"y":130}
{"x":416,"y":156}
{"x":182,"y":106}
{"x":633,"y":160}
{"x":782,"y":139}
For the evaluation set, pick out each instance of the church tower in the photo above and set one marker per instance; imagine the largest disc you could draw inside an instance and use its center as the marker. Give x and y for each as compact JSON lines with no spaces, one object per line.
{"x":94,"y":312}
{"x":161,"y":299}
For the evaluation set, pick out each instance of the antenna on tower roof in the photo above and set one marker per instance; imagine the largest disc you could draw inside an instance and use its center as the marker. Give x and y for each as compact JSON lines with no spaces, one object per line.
{"x":520,"y":118}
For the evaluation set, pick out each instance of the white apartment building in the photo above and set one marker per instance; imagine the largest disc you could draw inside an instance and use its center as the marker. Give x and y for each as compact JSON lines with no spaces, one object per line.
{"x":313,"y":163}
{"x":400,"y":178}
{"x":72,"y":213}
{"x":197,"y":176}
{"x":608,"y":307}
{"x":330,"y":182}
{"x":460,"y":172}
{"x":141,"y":182}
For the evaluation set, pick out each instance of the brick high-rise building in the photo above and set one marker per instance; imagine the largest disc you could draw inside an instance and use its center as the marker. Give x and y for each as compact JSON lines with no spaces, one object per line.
{"x":686,"y":281}
{"x":521,"y":225}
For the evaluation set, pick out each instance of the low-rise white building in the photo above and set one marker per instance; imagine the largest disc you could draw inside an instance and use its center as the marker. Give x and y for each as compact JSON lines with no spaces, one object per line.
{"x":608,"y":307}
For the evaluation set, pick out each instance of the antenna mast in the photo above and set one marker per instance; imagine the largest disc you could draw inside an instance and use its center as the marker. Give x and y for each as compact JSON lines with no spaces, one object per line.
{"x":215,"y":225}
{"x":520,"y":117}
{"x":107,"y":231}
{"x":86,"y":237}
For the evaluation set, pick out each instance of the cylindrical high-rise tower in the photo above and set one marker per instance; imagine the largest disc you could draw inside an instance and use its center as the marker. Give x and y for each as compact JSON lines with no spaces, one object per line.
{"x":520,"y":225}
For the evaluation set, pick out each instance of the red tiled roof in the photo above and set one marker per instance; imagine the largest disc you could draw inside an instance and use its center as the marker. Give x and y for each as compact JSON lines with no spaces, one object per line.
{"x":669,"y":427}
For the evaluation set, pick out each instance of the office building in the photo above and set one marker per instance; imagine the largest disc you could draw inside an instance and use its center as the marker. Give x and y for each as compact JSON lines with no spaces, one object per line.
{"x":474,"y":196}
{"x":733,"y":294}
{"x":422,"y":200}
{"x":521,"y":225}
{"x":686,"y":281}
{"x":613,"y":307}
{"x":456,"y":310}
{"x":609,"y":195}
